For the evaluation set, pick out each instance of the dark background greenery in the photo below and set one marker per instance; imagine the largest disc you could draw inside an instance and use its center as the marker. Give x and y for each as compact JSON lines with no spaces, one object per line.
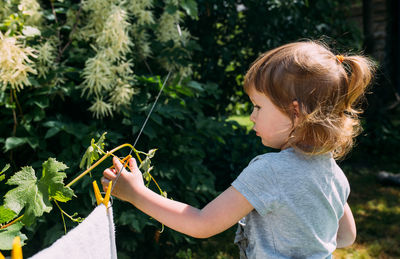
{"x":199,"y":151}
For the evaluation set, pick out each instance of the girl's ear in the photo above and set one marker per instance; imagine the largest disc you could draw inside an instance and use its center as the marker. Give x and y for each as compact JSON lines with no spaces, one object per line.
{"x":296,"y":112}
{"x":296,"y":108}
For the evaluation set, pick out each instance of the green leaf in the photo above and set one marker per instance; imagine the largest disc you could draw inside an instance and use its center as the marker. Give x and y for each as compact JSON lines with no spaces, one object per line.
{"x":5,"y":168}
{"x":146,"y":167}
{"x":92,"y":152}
{"x":150,"y":131}
{"x":195,"y":85}
{"x":2,"y":176}
{"x":7,"y":235}
{"x":29,"y":195}
{"x":6,"y":215}
{"x":2,"y":98}
{"x":171,"y":9}
{"x":14,"y":142}
{"x":10,"y":105}
{"x":146,"y":174}
{"x":33,"y":142}
{"x":51,"y":132}
{"x":151,"y":153}
{"x":88,"y":157}
{"x":100,"y":143}
{"x":53,"y":177}
{"x":42,"y":103}
{"x":34,"y":195}
{"x":190,"y":7}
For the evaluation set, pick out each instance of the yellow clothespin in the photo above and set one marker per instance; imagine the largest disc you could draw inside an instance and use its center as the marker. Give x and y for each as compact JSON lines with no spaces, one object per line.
{"x":1,"y":256}
{"x":124,"y":161}
{"x":16,"y":252}
{"x":98,"y":196}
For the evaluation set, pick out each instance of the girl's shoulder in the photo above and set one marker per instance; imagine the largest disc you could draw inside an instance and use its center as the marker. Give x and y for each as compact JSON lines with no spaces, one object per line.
{"x":291,"y":165}
{"x":290,"y":155}
{"x":273,"y":155}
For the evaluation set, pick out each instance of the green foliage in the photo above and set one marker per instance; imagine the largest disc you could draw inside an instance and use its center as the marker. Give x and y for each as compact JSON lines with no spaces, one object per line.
{"x":28,"y":195}
{"x":7,"y":235}
{"x":34,"y":195}
{"x":145,"y":167}
{"x":92,"y":152}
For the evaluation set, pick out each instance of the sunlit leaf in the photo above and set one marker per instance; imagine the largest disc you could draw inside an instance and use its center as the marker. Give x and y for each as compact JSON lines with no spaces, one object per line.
{"x":14,"y":142}
{"x":190,"y":7}
{"x":34,"y":195}
{"x":152,"y":153}
{"x":7,"y":235}
{"x":92,"y":152}
{"x":53,"y":177}
{"x":29,"y":195}
{"x":6,"y":215}
{"x":2,"y":176}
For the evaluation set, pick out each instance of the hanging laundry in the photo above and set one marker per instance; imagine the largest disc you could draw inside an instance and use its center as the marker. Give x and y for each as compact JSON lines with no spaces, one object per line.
{"x":94,"y":238}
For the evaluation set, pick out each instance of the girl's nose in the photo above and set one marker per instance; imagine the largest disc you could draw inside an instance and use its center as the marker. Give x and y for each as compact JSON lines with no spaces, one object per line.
{"x":252,"y":117}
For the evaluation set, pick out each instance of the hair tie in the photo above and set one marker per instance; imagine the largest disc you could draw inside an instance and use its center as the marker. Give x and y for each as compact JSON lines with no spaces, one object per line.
{"x":340,"y":58}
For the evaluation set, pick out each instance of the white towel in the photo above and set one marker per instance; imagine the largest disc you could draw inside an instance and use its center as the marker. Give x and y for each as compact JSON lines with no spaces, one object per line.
{"x":93,"y":238}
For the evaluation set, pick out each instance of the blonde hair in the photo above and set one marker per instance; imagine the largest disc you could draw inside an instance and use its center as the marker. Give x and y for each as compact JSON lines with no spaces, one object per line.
{"x":328,"y":89}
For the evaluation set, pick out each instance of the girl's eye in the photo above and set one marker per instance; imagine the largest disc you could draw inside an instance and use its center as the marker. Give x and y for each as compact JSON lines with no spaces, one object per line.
{"x":256,"y":107}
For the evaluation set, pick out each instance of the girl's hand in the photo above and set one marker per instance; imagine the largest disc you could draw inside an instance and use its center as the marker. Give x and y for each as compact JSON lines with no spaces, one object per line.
{"x":128,"y":184}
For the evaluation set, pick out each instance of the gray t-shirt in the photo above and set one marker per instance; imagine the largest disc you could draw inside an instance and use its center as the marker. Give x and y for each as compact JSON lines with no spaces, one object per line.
{"x":298,"y":202}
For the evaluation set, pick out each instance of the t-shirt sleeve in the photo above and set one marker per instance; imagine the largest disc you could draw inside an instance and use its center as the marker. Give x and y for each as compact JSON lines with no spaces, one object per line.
{"x":258,"y":185}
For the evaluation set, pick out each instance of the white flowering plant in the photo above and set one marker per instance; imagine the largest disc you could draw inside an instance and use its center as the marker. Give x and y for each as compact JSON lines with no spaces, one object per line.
{"x":102,"y":45}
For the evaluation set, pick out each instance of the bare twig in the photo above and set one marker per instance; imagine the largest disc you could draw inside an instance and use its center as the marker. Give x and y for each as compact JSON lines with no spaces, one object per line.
{"x":14,"y":114}
{"x":12,"y":222}
{"x":395,"y":103}
{"x":17,"y":102}
{"x":74,"y":27}
{"x":148,"y":67}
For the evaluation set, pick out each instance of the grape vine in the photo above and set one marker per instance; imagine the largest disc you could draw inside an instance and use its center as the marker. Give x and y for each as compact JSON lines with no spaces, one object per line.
{"x":35,"y":196}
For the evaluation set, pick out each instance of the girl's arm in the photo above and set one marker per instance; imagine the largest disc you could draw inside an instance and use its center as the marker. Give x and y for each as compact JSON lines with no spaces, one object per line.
{"x":220,"y":214}
{"x":347,"y":229}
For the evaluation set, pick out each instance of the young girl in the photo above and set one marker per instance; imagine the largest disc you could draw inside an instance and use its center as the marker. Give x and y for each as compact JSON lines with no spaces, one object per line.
{"x":293,"y":203}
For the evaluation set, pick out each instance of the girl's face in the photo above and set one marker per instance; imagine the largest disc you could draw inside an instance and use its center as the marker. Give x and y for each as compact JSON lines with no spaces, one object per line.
{"x":270,"y":124}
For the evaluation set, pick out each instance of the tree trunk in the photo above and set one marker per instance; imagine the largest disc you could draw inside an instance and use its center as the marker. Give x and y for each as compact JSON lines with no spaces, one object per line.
{"x":396,"y":43}
{"x":367,"y":27}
